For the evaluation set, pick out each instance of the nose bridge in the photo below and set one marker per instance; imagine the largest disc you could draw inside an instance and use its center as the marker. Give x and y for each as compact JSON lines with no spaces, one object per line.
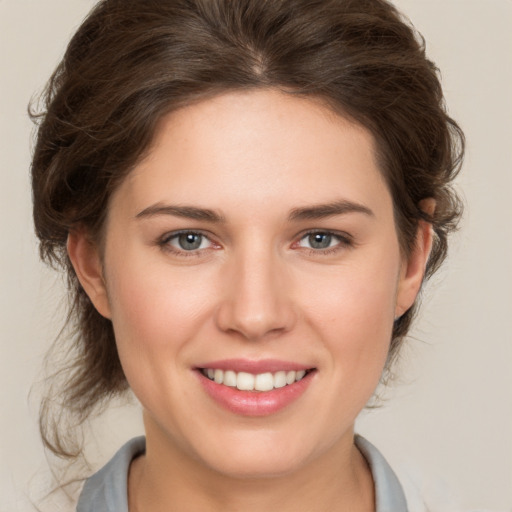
{"x":256,"y":300}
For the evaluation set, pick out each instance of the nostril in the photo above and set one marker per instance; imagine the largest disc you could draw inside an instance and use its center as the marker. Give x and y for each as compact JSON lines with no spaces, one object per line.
{"x":250,"y":323}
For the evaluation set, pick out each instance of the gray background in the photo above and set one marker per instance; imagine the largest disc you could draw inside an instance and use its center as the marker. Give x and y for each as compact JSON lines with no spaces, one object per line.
{"x":451,"y":416}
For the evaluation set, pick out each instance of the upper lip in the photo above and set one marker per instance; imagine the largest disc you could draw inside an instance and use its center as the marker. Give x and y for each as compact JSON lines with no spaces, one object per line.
{"x":254,"y":366}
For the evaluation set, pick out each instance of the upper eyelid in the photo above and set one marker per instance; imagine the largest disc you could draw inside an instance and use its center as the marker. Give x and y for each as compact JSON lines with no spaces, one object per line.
{"x":342,"y":235}
{"x":333,"y":232}
{"x":301,"y":234}
{"x":172,"y":234}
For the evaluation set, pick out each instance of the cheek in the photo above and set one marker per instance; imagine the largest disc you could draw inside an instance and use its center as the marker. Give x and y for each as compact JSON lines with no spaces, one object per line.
{"x":353,"y":310}
{"x":155,"y":310}
{"x":356,"y":297}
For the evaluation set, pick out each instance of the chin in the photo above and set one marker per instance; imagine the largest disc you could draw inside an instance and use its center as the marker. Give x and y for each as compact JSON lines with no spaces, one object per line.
{"x":259,"y":454}
{"x":262,"y":466}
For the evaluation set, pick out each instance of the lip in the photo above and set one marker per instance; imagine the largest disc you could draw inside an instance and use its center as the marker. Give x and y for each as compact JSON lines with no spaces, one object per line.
{"x":255,"y":367}
{"x":255,"y":403}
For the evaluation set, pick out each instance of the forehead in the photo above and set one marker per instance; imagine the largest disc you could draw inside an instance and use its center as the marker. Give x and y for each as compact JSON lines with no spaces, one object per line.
{"x":256,"y":148}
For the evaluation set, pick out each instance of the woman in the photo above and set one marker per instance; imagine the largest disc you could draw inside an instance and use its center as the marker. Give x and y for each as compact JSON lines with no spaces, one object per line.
{"x":246,"y":197}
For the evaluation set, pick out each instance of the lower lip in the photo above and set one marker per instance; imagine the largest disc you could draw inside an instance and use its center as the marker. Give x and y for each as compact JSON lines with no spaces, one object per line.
{"x":255,"y":403}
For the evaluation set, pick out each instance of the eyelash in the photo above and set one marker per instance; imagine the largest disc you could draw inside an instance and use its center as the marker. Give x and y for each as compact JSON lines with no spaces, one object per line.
{"x":345,"y":241}
{"x":164,"y":243}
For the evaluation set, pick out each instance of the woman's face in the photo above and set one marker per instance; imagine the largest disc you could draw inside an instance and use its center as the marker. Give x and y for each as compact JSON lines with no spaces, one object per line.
{"x":256,"y":239}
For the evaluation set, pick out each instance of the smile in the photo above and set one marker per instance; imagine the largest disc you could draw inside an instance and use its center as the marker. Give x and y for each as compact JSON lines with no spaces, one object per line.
{"x":245,"y":381}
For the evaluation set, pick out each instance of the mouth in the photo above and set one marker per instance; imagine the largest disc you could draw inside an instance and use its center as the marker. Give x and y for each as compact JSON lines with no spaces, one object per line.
{"x":259,"y":382}
{"x":255,"y":388}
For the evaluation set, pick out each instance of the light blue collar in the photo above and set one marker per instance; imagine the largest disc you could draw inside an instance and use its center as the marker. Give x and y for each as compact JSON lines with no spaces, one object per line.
{"x":107,"y":490}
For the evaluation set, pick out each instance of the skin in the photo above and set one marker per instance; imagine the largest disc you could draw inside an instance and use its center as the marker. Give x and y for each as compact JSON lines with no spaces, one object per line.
{"x":255,"y":289}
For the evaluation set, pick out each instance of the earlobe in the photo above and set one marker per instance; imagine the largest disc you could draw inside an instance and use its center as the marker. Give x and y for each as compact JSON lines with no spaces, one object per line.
{"x":413,"y":269}
{"x":86,"y":260}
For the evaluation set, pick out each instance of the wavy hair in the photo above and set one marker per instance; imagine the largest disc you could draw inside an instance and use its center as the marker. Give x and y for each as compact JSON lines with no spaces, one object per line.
{"x":133,"y":61}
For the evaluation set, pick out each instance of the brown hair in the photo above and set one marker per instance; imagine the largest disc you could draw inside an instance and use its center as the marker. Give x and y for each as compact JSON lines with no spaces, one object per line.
{"x":133,"y":61}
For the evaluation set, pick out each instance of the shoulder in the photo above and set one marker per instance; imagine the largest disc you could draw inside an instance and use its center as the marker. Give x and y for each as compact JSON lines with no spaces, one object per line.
{"x":106,"y":490}
{"x":389,"y":494}
{"x":421,"y":492}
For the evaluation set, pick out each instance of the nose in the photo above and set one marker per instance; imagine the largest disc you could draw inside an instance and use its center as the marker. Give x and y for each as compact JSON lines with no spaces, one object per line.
{"x":257,"y":297}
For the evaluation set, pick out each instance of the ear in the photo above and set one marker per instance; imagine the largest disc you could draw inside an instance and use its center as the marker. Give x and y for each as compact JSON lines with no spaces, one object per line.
{"x":413,"y":268}
{"x":86,"y":260}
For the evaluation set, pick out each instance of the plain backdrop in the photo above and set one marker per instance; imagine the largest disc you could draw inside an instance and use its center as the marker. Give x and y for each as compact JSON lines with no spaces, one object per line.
{"x":451,"y":414}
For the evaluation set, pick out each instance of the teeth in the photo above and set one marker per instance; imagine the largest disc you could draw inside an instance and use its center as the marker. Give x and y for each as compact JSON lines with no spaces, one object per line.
{"x":248,"y":382}
{"x":264,"y":382}
{"x":300,"y":374}
{"x":280,"y":379}
{"x":229,"y":378}
{"x":245,"y":381}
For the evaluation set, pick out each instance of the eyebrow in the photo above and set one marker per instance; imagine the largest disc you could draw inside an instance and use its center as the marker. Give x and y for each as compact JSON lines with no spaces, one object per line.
{"x":187,"y":212}
{"x":313,"y":212}
{"x":321,"y":211}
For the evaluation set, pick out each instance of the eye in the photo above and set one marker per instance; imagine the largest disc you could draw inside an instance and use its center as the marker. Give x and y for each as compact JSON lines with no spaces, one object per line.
{"x":318,"y":240}
{"x":324,"y":242}
{"x":186,"y":241}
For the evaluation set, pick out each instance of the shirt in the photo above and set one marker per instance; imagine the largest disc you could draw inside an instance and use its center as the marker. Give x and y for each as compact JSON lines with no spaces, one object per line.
{"x":107,"y":490}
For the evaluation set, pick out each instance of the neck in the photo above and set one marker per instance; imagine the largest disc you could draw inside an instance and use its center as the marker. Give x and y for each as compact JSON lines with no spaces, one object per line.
{"x":167,"y":479}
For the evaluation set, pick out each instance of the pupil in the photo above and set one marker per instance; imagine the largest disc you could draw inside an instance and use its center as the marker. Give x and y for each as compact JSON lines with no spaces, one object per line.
{"x":320,"y":240}
{"x":190,"y":241}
